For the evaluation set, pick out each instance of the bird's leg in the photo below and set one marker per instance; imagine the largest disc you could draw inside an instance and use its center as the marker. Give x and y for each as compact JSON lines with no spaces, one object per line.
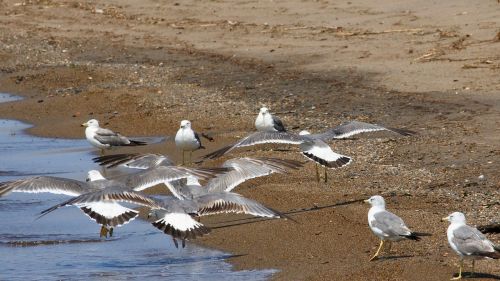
{"x":183,"y":154}
{"x":102,"y":151}
{"x":473,"y":264}
{"x":104,"y":231}
{"x":326,"y":176}
{"x":460,"y":272}
{"x":190,"y":157}
{"x":175,"y":242}
{"x":379,"y":247}
{"x":317,"y":172}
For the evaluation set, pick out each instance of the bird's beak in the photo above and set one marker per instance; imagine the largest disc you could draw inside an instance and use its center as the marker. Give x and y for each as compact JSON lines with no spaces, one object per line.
{"x":445,"y":219}
{"x":84,"y":124}
{"x":366,"y":201}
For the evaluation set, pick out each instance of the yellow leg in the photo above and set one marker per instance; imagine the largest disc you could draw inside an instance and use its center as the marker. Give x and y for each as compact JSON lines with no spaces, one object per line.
{"x":104,"y":231}
{"x":473,"y":264}
{"x":102,"y":152}
{"x":326,"y":176}
{"x":317,"y":173}
{"x":379,"y":247}
{"x":460,"y":272}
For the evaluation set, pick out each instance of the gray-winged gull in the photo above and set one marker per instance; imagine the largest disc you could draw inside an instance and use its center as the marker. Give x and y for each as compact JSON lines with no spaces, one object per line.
{"x":468,"y":242}
{"x":266,"y":122}
{"x":104,"y":138}
{"x":187,"y":140}
{"x":386,"y":225}
{"x":312,"y":148}
{"x":108,"y":214}
{"x":240,"y":169}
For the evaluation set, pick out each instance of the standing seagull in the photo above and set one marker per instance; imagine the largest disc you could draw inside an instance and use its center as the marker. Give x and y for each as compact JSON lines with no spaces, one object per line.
{"x":468,"y":242}
{"x":187,"y":140}
{"x":105,"y":138}
{"x":313,"y":148}
{"x":266,"y":122}
{"x":386,"y":225}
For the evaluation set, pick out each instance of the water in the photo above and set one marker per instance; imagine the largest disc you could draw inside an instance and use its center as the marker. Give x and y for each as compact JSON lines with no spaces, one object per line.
{"x":65,"y":244}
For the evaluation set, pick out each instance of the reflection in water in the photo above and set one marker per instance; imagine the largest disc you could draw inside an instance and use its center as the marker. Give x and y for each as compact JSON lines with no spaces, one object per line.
{"x":65,"y":245}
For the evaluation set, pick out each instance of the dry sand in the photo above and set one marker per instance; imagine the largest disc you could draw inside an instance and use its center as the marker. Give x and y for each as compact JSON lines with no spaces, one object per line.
{"x":142,"y":66}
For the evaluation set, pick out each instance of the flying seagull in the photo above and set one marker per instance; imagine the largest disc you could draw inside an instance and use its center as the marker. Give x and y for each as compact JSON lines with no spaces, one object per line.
{"x":233,"y":171}
{"x":187,"y":140}
{"x":105,"y":138}
{"x":108,"y":214}
{"x":171,"y":215}
{"x":266,"y":122}
{"x":386,"y":225}
{"x":468,"y":242}
{"x":312,"y":148}
{"x":192,"y":199}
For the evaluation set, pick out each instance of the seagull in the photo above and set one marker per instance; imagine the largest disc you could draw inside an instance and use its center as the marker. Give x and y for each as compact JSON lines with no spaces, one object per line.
{"x":105,"y":138}
{"x":312,"y":148}
{"x":190,"y":198}
{"x":174,"y":216}
{"x":266,"y":122}
{"x":233,"y":172}
{"x":468,"y":242}
{"x":107,"y":214}
{"x":386,"y":225}
{"x":187,"y":140}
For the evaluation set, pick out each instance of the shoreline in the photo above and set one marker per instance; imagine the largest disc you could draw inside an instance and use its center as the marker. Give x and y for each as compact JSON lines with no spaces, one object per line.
{"x":143,"y":68}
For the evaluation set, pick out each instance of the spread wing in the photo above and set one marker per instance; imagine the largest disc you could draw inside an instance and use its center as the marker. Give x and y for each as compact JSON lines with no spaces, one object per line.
{"x":259,"y":138}
{"x":244,"y":169}
{"x":110,"y":194}
{"x":134,"y":160}
{"x":351,"y":128}
{"x":40,"y":184}
{"x":228,"y":202}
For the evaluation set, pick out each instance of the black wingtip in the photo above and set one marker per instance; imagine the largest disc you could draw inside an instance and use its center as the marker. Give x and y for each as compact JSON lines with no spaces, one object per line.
{"x":417,"y":236}
{"x":137,"y":143}
{"x":490,"y":228}
{"x":403,"y":132}
{"x":216,"y":154}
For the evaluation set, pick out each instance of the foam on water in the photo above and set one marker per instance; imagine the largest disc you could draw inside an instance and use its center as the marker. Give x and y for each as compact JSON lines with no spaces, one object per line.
{"x":64,"y":245}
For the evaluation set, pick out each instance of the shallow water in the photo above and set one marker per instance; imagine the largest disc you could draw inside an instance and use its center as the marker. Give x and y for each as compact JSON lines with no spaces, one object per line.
{"x":65,"y":244}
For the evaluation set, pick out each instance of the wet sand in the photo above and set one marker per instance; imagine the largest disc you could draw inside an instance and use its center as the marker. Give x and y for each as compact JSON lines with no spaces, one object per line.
{"x":430,"y":67}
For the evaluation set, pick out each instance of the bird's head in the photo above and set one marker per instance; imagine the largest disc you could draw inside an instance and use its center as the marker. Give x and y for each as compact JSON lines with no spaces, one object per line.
{"x":376,"y":201}
{"x":263,"y":110}
{"x":456,"y":217}
{"x":185,"y":124}
{"x":94,"y":175}
{"x":91,"y":123}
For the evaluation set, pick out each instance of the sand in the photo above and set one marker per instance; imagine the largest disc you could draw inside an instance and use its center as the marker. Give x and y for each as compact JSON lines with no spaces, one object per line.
{"x":142,"y":66}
